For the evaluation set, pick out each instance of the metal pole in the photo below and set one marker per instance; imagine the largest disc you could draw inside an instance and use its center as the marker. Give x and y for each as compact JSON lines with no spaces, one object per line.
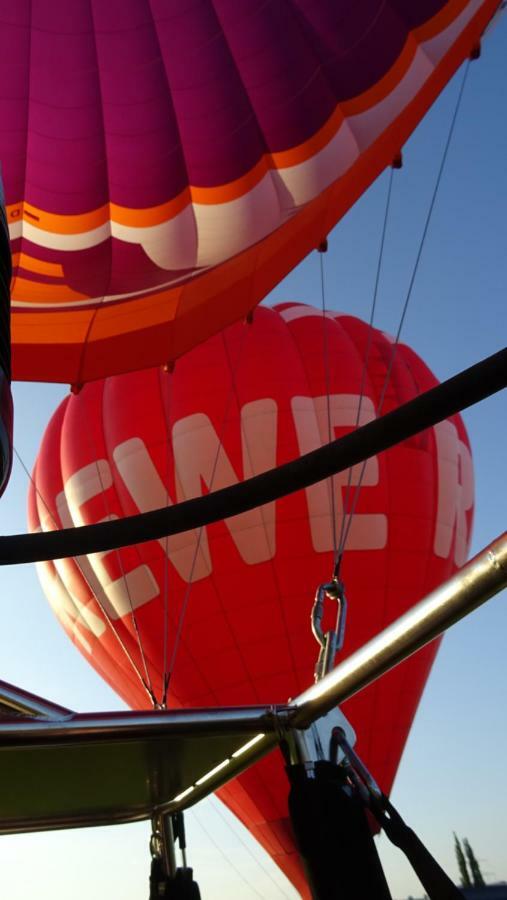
{"x":481,"y":578}
{"x":14,"y":700}
{"x":163,"y":826}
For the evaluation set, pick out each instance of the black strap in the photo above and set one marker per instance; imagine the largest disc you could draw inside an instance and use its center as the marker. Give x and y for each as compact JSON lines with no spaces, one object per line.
{"x":180,"y":887}
{"x":434,"y":880}
{"x":333,"y":836}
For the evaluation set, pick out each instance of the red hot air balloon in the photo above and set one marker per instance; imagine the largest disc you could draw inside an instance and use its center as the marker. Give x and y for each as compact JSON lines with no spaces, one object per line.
{"x":167,"y":163}
{"x":225,"y":611}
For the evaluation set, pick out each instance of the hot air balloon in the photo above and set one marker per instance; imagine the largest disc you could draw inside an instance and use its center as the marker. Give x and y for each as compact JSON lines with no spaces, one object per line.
{"x":221,"y":616}
{"x":166,"y":164}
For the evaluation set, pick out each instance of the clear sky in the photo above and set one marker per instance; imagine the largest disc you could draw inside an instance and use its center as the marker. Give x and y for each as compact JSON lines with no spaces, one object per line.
{"x":452,"y":776}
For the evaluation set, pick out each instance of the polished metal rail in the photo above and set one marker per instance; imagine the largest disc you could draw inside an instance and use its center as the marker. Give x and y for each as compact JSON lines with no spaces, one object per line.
{"x":481,"y":578}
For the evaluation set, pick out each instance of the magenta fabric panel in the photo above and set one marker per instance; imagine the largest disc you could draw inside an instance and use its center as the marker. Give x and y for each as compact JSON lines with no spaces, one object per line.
{"x":131,"y":101}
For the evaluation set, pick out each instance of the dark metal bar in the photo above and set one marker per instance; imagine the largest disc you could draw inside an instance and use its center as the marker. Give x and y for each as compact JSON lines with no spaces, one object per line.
{"x":168,"y":849}
{"x":481,"y":578}
{"x":461,"y":391}
{"x":124,"y":726}
{"x":15,"y":701}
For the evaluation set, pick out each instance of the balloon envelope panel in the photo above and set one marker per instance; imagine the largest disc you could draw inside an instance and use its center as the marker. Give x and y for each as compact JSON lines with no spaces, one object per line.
{"x":239,"y":593}
{"x":167,"y":163}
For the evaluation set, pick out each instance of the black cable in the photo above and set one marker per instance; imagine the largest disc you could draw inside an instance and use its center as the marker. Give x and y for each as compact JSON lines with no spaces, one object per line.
{"x":457,"y":393}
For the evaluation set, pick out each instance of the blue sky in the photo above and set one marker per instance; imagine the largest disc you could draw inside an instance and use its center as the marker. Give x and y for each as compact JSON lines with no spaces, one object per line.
{"x":452,"y":775}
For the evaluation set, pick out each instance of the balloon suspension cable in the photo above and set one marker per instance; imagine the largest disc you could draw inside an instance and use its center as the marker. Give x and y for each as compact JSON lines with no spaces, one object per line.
{"x":321,"y":250}
{"x":181,"y":619}
{"x":168,"y":372}
{"x":229,"y":859}
{"x":276,"y":581}
{"x":94,"y":449}
{"x":217,"y":807}
{"x":445,"y":153}
{"x":77,"y":562}
{"x":364,"y":372}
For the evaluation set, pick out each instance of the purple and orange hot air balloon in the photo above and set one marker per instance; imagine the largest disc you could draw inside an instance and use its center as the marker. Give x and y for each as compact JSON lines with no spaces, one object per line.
{"x":167,"y":163}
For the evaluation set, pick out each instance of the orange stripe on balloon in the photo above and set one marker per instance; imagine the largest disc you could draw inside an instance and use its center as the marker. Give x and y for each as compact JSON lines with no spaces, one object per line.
{"x":153,"y":311}
{"x":39,"y":332}
{"x":379,"y":91}
{"x":440,"y":21}
{"x":284,"y":159}
{"x":34,"y":292}
{"x":55,"y":222}
{"x":224,"y":193}
{"x":40,"y":266}
{"x":154,"y":215}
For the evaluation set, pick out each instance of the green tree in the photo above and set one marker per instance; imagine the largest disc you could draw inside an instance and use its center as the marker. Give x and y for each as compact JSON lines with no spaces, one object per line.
{"x":462,"y":863}
{"x":474,"y":866}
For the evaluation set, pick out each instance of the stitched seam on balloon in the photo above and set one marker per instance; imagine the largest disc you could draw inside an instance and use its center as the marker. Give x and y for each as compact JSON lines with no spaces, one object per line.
{"x":84,"y":345}
{"x":261,"y":511}
{"x":177,"y":126}
{"x":304,"y":368}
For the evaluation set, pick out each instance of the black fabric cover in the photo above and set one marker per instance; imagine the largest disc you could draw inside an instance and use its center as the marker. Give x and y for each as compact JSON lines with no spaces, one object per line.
{"x":334,"y":837}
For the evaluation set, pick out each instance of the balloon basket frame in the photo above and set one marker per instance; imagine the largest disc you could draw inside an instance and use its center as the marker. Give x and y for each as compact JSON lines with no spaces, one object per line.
{"x":62,"y":769}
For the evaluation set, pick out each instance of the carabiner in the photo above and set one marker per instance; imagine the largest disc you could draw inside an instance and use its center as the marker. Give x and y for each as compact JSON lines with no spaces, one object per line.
{"x":332,"y":641}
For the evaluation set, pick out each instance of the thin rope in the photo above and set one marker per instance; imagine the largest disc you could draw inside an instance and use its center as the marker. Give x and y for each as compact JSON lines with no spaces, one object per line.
{"x":94,"y":449}
{"x":78,"y":564}
{"x":228,"y":859}
{"x":411,"y":285}
{"x":364,"y":373}
{"x":216,"y":805}
{"x":276,"y":580}
{"x":328,"y":396}
{"x":186,"y":598}
{"x":165,"y":678}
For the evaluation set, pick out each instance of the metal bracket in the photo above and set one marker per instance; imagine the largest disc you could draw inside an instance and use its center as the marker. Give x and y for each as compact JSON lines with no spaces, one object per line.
{"x":315,"y":744}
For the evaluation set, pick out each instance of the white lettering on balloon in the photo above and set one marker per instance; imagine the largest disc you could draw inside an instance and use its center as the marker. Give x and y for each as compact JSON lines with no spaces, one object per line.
{"x":368,"y":531}
{"x":455,"y":493}
{"x":188,"y":553}
{"x":200,"y":457}
{"x":116,"y":595}
{"x":74,"y":615}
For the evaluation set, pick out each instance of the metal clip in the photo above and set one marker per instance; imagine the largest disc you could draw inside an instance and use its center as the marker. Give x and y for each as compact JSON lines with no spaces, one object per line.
{"x":332,"y":641}
{"x":155,"y":844}
{"x":355,"y":767}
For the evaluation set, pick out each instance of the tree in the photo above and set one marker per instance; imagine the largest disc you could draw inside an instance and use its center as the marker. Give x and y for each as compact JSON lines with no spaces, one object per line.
{"x":462,"y":863}
{"x":474,"y":866}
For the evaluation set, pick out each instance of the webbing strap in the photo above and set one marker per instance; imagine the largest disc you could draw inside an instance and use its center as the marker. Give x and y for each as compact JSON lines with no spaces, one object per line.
{"x":436,"y":883}
{"x":181,"y":886}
